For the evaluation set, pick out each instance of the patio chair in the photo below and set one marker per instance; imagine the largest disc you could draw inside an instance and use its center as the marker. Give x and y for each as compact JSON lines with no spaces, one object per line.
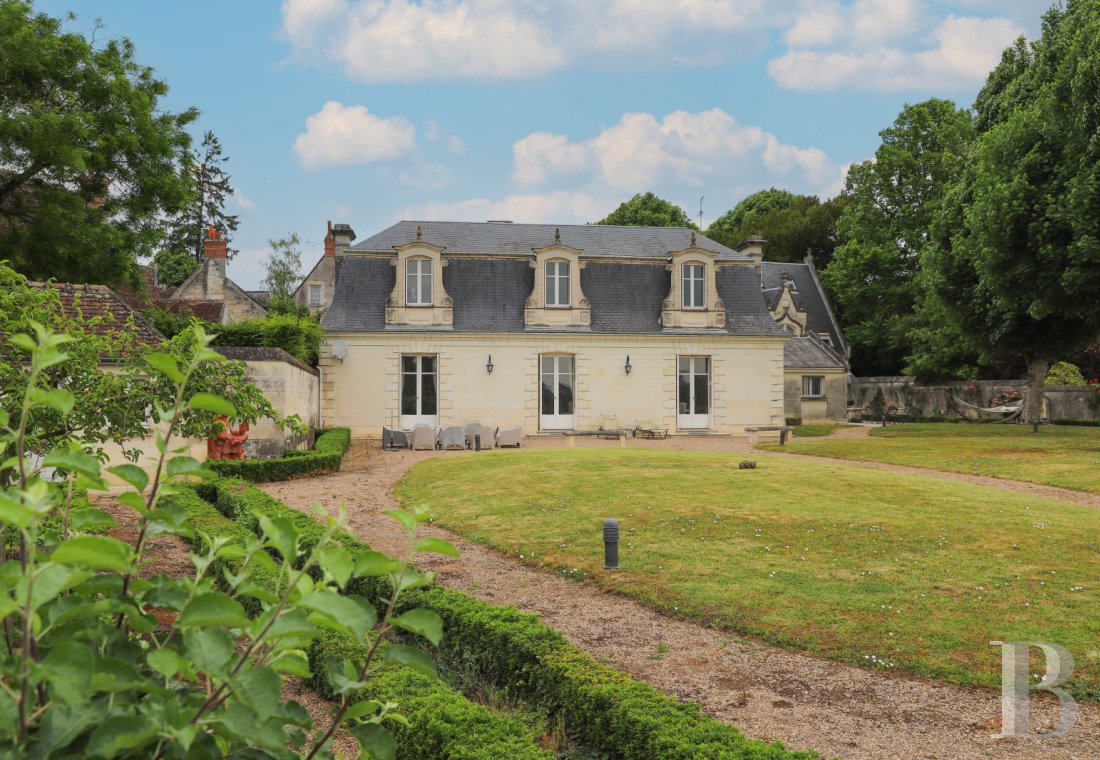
{"x":452,"y":437}
{"x":488,"y":436}
{"x":646,"y":429}
{"x":609,"y":426}
{"x":469,"y":429}
{"x":394,"y":439}
{"x":423,"y":437}
{"x":511,"y":436}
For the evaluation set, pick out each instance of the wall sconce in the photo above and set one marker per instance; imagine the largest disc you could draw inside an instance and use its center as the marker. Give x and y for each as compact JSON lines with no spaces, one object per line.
{"x":489,"y":365}
{"x":628,"y":367}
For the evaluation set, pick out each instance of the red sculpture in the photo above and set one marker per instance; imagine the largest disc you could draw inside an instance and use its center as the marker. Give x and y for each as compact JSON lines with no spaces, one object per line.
{"x":228,"y":443}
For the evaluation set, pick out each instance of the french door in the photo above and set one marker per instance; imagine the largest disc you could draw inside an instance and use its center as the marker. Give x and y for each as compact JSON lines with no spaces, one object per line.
{"x":419,"y":390}
{"x":693,"y":393}
{"x":557,"y":393}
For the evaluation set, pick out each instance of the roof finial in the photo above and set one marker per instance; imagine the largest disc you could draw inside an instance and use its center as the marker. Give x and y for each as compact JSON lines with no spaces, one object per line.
{"x":419,"y":232}
{"x":557,"y":235}
{"x":693,"y":238}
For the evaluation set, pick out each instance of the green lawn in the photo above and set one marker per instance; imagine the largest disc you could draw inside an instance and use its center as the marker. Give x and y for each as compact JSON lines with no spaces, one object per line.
{"x":1059,"y":456}
{"x":815,"y":430}
{"x":893,"y":571}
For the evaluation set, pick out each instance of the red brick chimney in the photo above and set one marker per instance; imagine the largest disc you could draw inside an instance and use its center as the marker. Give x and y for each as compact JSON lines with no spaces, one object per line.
{"x":214,"y":245}
{"x":330,"y":241}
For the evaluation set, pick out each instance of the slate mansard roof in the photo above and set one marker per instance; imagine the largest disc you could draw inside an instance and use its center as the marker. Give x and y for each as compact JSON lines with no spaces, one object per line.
{"x":811,"y":297}
{"x":489,"y":276}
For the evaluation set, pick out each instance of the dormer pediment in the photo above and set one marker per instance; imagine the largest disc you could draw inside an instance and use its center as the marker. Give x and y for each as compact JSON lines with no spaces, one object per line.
{"x":557,"y":299}
{"x":693,"y":300}
{"x":418,"y":298}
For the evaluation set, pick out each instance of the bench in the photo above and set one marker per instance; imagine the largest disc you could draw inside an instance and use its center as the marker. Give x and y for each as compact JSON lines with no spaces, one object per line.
{"x":754,"y":432}
{"x":573,"y":435}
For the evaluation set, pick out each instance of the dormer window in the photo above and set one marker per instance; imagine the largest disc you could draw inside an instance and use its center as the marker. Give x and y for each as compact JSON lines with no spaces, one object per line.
{"x":418,"y":282}
{"x":694,"y":286}
{"x":557,"y":284}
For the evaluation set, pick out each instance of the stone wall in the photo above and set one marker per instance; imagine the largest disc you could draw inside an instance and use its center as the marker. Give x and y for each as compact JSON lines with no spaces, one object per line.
{"x":290,"y":386}
{"x":1060,"y":401}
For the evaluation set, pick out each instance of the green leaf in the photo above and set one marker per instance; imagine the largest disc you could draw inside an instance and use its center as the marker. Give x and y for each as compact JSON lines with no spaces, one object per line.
{"x":336,"y":561}
{"x":363,"y":709}
{"x":213,"y":609}
{"x":184,"y":465}
{"x":69,"y":669}
{"x":91,"y":519}
{"x":260,"y":689}
{"x":208,"y":402}
{"x":209,"y":650}
{"x":120,"y":733}
{"x":377,"y":742}
{"x":341,"y":613}
{"x":293,"y":662}
{"x":164,"y":661}
{"x":133,"y":500}
{"x":55,"y":398}
{"x":132,"y":474}
{"x":165,"y":365}
{"x":437,"y":546}
{"x":403,"y":517}
{"x":281,"y":534}
{"x":421,"y":622}
{"x":11,"y":511}
{"x":371,"y":563}
{"x":411,"y":657}
{"x":95,"y":552}
{"x":73,"y":460}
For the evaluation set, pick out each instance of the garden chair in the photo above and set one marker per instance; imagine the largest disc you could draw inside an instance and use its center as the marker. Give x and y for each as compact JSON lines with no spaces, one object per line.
{"x":511,"y":436}
{"x":488,"y":436}
{"x":394,"y":439}
{"x":646,"y":429}
{"x":423,"y":437}
{"x":452,"y":437}
{"x":609,"y":427}
{"x":470,"y":428}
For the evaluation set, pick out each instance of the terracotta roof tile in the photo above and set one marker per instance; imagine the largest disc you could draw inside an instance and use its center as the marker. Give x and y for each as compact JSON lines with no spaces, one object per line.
{"x":87,"y":302}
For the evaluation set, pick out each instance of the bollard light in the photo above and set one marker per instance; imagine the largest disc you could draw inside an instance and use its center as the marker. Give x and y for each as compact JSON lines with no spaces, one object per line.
{"x":611,"y":544}
{"x":783,"y":436}
{"x":477,"y":441}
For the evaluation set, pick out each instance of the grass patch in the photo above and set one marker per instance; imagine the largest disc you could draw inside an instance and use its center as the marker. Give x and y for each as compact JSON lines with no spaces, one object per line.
{"x":885,"y":570}
{"x":815,"y":431}
{"x":1068,"y":457}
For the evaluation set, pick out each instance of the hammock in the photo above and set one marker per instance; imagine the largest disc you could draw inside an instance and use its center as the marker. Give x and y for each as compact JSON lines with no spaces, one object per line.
{"x":1012,"y":411}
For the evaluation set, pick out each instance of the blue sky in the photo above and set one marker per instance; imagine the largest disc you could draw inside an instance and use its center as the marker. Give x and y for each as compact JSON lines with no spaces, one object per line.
{"x":371,"y":111}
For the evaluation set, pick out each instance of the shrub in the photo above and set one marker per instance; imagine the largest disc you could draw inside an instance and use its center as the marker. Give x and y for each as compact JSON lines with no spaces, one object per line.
{"x":1076,"y":423}
{"x":793,"y":421}
{"x":1064,"y":373}
{"x":298,"y":336}
{"x":326,"y":456}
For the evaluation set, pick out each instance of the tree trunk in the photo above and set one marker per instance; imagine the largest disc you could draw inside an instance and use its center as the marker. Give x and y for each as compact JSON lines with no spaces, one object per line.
{"x":1036,"y":384}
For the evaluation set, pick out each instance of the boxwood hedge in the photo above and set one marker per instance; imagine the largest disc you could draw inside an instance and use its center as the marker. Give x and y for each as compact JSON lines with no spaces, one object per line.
{"x":602,"y":708}
{"x":326,"y":456}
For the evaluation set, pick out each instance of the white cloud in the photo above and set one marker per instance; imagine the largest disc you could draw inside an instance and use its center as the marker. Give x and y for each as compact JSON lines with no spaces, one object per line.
{"x":868,"y":45}
{"x":683,"y":149}
{"x":404,"y":41}
{"x":243,"y":202}
{"x":559,"y":206}
{"x":339,"y":135}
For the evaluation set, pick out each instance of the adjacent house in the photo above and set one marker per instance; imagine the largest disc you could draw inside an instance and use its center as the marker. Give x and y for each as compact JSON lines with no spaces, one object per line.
{"x":815,"y":360}
{"x":209,"y":293}
{"x":548,"y":327}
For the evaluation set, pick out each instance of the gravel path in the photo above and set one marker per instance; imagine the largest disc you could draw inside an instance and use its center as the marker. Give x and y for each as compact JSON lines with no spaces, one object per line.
{"x":769,"y":693}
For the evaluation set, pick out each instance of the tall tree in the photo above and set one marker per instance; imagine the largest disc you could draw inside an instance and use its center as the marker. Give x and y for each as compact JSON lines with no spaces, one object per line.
{"x":88,"y":155}
{"x":205,"y":171}
{"x":873,"y":277}
{"x":647,"y":210}
{"x":1016,"y":259}
{"x":793,"y":225}
{"x":283,"y":267}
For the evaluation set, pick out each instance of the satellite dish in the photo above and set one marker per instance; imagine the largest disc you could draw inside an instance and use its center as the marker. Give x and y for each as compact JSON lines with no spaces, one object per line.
{"x":339,"y":350}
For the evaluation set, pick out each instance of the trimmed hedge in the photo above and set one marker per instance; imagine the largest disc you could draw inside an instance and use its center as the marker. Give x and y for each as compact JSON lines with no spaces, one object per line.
{"x":442,"y":722}
{"x":603,"y":708}
{"x":326,"y":456}
{"x":1076,"y":423}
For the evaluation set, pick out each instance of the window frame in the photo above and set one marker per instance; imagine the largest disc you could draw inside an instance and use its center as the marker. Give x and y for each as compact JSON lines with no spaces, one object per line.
{"x":808,"y":382}
{"x":557,"y":278}
{"x":320,"y":300}
{"x":415,"y":280}
{"x":688,"y":289}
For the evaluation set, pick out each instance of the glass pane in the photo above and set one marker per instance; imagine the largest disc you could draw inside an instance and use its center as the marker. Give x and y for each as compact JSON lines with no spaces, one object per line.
{"x":683,"y":394}
{"x":408,"y":364}
{"x":427,"y":394}
{"x":410,"y":290}
{"x":408,"y":394}
{"x":427,"y":364}
{"x":565,"y":393}
{"x":701,"y":363}
{"x":547,"y":364}
{"x":550,"y":290}
{"x":547,"y":394}
{"x":702,"y":394}
{"x":684,"y":364}
{"x":686,"y":287}
{"x":565,"y":365}
{"x":426,"y":284}
{"x":697,"y":299}
{"x":563,"y":287}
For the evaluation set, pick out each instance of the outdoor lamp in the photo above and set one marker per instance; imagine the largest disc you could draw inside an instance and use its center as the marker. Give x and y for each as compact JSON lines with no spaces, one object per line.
{"x":489,"y":366}
{"x":628,"y":367}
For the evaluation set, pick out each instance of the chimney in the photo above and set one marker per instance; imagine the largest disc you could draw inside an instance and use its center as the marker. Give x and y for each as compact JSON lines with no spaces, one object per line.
{"x":342,"y":235}
{"x":330,"y":241}
{"x":213,"y":251}
{"x":753,"y":247}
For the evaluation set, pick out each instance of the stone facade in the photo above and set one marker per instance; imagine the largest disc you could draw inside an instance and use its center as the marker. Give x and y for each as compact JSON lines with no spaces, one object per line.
{"x":210,"y":285}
